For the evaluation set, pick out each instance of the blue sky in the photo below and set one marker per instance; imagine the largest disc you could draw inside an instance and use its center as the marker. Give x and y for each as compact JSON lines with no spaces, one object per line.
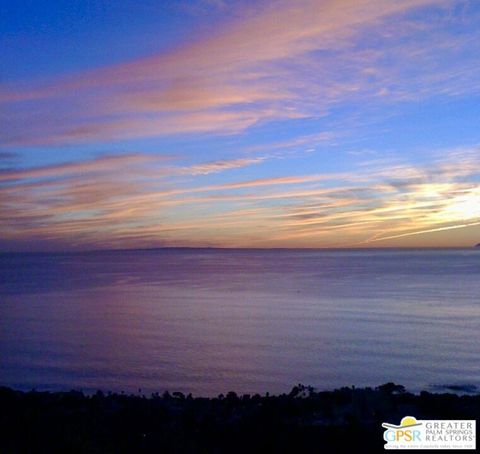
{"x":239,"y":124}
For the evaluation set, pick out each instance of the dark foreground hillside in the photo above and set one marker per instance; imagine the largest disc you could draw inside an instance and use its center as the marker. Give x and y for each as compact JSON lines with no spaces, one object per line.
{"x":345,"y":420}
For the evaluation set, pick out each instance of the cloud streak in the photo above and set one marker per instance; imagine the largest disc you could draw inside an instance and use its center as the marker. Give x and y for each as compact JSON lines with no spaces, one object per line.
{"x":91,"y":204}
{"x":284,"y":60}
{"x":422,"y":232}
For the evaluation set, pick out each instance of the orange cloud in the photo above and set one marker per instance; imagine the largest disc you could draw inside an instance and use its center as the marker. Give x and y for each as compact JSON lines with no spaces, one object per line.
{"x":98,"y":164}
{"x":93,"y":203}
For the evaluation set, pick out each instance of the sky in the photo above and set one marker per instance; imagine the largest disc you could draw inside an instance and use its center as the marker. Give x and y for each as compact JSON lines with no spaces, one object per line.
{"x":258,"y":124}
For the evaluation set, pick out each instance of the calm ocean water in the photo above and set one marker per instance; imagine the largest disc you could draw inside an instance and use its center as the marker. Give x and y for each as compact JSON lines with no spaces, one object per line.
{"x":210,"y":321}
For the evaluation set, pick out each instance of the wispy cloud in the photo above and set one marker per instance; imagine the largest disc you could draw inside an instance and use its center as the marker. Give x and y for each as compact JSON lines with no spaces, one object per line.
{"x":283,"y":60}
{"x":421,"y":232}
{"x":219,"y":166}
{"x":96,"y":165}
{"x":92,"y":203}
{"x":278,"y":138}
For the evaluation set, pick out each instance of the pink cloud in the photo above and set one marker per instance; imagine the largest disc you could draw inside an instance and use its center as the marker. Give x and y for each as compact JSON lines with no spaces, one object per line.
{"x":135,"y":200}
{"x":258,"y":68}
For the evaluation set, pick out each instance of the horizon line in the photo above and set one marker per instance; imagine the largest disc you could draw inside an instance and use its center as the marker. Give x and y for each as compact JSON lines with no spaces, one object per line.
{"x":230,"y":248}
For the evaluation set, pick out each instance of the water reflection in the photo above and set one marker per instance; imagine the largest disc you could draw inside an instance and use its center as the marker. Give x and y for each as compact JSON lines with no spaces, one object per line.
{"x":207,"y":321}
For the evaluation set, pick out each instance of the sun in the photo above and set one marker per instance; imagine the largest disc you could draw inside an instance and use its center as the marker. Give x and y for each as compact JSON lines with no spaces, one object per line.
{"x":465,"y":207}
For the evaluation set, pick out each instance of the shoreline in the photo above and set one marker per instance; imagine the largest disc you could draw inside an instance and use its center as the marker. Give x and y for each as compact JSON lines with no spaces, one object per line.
{"x":460,"y":389}
{"x":304,"y":420}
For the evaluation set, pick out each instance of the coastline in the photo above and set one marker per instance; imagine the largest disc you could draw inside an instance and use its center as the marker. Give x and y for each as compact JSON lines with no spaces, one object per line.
{"x":304,"y":420}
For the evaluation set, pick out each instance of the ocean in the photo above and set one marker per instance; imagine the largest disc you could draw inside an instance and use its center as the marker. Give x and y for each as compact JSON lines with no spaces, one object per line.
{"x":207,"y":321}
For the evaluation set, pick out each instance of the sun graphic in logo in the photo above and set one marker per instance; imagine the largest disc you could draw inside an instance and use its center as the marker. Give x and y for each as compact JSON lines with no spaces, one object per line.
{"x":407,"y":421}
